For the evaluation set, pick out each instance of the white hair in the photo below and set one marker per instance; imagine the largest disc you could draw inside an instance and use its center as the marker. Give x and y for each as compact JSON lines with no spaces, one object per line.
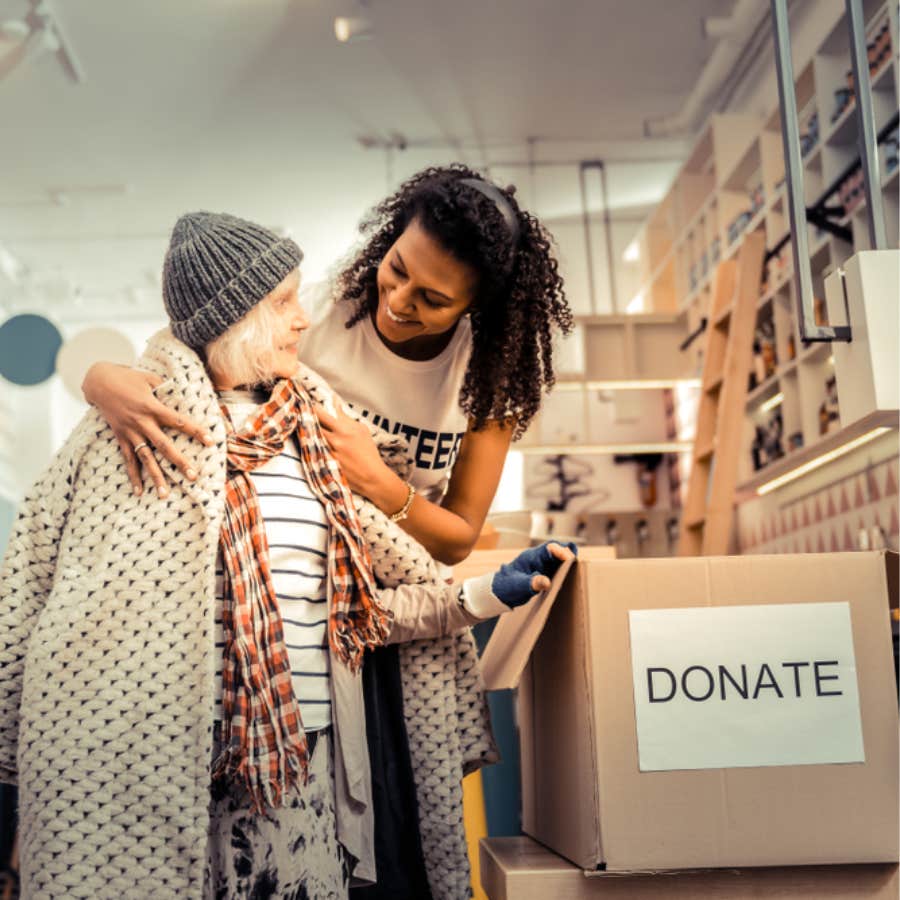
{"x":244,"y":354}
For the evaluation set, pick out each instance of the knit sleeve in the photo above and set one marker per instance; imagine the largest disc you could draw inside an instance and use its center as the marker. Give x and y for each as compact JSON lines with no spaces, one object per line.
{"x":26,"y":578}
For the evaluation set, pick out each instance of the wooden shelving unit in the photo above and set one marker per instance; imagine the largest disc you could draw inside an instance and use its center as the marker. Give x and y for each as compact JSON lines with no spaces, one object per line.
{"x":732,"y":184}
{"x":608,"y":351}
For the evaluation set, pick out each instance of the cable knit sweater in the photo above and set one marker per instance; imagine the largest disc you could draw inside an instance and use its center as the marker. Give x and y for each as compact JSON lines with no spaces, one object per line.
{"x":107,"y":670}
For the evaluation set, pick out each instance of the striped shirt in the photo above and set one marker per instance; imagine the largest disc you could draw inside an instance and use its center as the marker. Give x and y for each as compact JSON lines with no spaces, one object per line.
{"x":297,"y":534}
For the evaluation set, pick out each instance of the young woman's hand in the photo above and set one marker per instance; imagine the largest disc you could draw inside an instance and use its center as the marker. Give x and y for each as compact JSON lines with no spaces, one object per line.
{"x":124,"y":397}
{"x":359,"y":459}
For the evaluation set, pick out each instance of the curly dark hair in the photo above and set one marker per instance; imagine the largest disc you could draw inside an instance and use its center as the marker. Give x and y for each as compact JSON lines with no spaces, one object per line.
{"x":520,"y":295}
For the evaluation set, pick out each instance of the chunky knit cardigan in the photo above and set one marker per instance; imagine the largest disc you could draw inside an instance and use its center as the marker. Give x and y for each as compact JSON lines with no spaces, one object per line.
{"x":107,"y":667}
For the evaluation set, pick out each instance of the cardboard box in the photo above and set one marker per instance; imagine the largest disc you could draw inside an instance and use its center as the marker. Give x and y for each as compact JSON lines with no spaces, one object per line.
{"x":804,"y":771}
{"x":519,"y":868}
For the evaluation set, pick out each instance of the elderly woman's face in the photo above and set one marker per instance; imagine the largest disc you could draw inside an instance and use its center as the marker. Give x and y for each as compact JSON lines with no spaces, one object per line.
{"x":262,"y":346}
{"x":284,"y":303}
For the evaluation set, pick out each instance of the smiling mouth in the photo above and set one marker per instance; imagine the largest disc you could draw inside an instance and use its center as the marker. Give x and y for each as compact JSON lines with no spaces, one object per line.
{"x":396,"y":318}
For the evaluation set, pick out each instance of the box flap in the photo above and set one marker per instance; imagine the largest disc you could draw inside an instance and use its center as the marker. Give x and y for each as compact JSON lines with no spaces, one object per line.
{"x":515,"y":635}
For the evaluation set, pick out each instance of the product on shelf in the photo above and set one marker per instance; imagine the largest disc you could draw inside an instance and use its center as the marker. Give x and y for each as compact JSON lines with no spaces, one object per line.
{"x":714,"y":249}
{"x":879,"y":48}
{"x":737,"y":225}
{"x":767,"y":444}
{"x":842,"y":98}
{"x":891,"y":143}
{"x":774,"y":431}
{"x":820,"y":311}
{"x":765,"y":339}
{"x":852,"y":190}
{"x":757,"y":449}
{"x":810,"y":137}
{"x":757,"y":199}
{"x":795,"y":440}
{"x":758,"y":372}
{"x":828,"y":411}
{"x":791,"y":347}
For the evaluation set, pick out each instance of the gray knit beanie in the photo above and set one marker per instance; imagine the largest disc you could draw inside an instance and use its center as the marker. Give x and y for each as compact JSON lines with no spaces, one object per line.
{"x":217,"y":268}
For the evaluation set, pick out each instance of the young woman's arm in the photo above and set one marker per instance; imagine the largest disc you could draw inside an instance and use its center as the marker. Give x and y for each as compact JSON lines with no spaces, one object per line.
{"x":125,"y":399}
{"x":448,"y":531}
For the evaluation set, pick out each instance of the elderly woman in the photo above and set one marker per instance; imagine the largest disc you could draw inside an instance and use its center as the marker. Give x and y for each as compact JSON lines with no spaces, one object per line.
{"x":180,"y":692}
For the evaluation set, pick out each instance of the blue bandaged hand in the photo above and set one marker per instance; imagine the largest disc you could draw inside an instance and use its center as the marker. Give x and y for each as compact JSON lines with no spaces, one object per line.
{"x":530,"y":572}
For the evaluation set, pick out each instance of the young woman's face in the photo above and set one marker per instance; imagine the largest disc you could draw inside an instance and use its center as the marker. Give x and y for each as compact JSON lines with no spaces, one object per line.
{"x":423,"y":291}
{"x":284,"y":302}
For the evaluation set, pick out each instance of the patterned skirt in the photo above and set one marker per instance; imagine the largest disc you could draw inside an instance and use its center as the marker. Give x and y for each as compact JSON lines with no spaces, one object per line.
{"x":291,"y":853}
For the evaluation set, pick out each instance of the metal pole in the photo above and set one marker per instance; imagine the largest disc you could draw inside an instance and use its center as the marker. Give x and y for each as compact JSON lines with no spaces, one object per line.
{"x":586,"y":220}
{"x":790,"y":133}
{"x":607,"y":225}
{"x":865,"y":118}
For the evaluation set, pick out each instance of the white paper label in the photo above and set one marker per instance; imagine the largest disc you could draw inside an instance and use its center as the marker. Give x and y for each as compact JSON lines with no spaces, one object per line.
{"x":722,"y":687}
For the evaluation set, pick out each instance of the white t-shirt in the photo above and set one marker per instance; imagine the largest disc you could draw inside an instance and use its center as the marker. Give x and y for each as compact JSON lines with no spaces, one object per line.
{"x":417,"y":398}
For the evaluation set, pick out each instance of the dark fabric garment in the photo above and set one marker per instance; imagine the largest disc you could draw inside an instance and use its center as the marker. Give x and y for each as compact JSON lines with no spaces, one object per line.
{"x":501,"y":783}
{"x":398,"y":846}
{"x":8,"y":804}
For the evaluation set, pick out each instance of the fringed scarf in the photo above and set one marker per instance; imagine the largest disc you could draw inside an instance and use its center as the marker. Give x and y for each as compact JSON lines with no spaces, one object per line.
{"x":262,"y":730}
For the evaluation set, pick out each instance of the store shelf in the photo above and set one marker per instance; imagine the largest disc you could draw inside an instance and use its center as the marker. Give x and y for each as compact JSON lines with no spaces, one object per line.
{"x":752,"y":225}
{"x":732,"y":156}
{"x":763,"y":391}
{"x":843,"y":130}
{"x":748,"y":489}
{"x":888,"y":182}
{"x":813,"y":159}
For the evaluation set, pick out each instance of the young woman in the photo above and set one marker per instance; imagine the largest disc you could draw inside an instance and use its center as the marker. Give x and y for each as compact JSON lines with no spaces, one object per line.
{"x":148,"y":647}
{"x":439,"y":329}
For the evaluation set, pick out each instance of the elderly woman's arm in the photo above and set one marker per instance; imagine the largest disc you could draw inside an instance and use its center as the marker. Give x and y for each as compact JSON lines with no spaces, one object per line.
{"x":427,"y":611}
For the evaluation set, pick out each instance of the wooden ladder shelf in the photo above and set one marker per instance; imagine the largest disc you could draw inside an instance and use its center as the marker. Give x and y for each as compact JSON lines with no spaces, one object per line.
{"x":708,"y":510}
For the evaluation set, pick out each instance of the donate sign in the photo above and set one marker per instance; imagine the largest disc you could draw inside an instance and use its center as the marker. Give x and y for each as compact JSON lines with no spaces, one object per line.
{"x":723,"y":687}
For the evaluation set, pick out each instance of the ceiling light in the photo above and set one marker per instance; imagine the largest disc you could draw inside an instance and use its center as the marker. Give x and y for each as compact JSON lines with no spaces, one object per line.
{"x":352,"y":28}
{"x":819,"y":461}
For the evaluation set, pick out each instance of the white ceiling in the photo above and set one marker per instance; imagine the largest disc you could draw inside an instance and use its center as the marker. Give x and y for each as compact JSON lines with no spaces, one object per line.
{"x":251,"y":106}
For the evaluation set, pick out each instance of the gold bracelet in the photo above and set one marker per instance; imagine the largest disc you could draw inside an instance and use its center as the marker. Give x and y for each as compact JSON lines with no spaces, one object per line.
{"x":403,"y":512}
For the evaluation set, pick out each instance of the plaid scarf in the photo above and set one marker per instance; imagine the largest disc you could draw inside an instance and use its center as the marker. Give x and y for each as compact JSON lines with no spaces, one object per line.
{"x":262,"y":730}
